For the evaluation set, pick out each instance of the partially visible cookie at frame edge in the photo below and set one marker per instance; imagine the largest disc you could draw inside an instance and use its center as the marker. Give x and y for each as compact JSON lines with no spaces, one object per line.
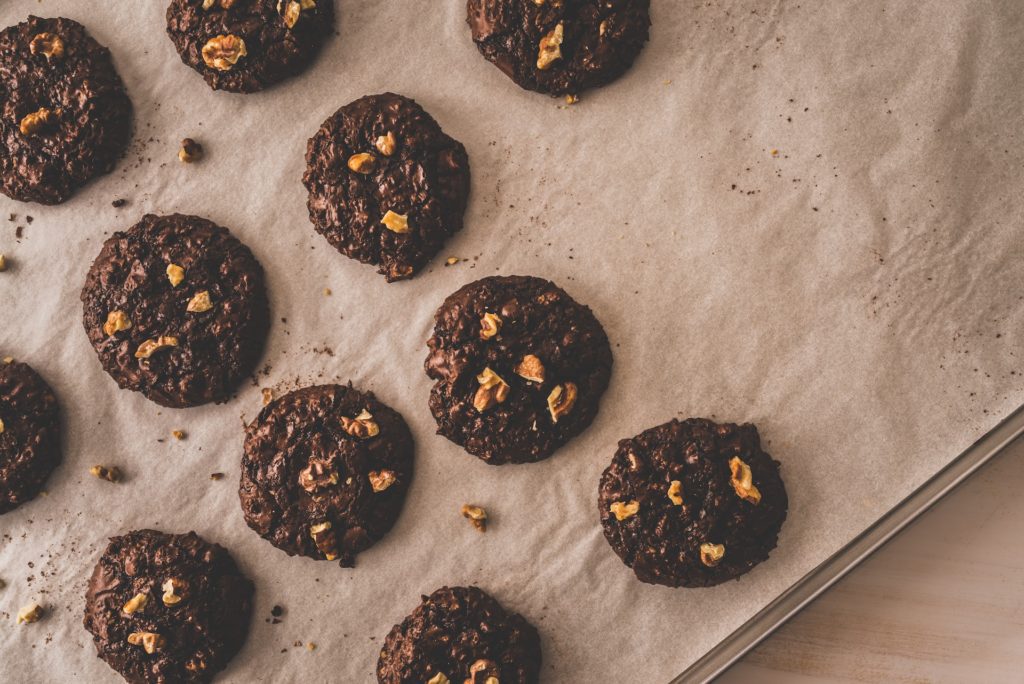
{"x":29,"y":434}
{"x":460,"y":635}
{"x":325,"y":471}
{"x":66,"y":117}
{"x":692,"y":503}
{"x":167,"y":607}
{"x":176,"y":309}
{"x":519,"y":368}
{"x":244,"y":46}
{"x":386,"y":185}
{"x":560,"y":47}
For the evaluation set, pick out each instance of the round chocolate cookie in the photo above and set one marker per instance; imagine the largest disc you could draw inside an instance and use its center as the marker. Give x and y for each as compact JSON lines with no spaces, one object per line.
{"x":247,"y":45}
{"x":463,"y":636}
{"x":386,"y":185}
{"x":29,"y":434}
{"x":65,"y":117}
{"x":176,"y":309}
{"x":560,"y":47}
{"x":167,"y":607}
{"x":520,"y":368}
{"x":692,"y":503}
{"x":325,"y":471}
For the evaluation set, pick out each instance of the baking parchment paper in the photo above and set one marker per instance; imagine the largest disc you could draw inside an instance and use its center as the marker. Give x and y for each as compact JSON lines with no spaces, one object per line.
{"x":804,"y":215}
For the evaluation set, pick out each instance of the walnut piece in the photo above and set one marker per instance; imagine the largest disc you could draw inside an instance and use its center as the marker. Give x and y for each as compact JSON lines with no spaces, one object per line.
{"x":207,"y":4}
{"x":396,"y":223}
{"x":190,"y":151}
{"x":363,"y":162}
{"x":742,"y":480}
{"x":174,"y":592}
{"x":3,"y":262}
{"x":111,"y":474}
{"x":675,"y":492}
{"x":490,"y":326}
{"x":386,"y":144}
{"x":178,"y":434}
{"x":317,"y":475}
{"x":268,"y":395}
{"x":483,"y":671}
{"x":1,"y":426}
{"x":135,"y":604}
{"x":292,"y":11}
{"x":711,"y":554}
{"x":362,"y":426}
{"x":150,"y":347}
{"x":381,"y":479}
{"x":175,"y":274}
{"x":49,"y":44}
{"x":39,"y":121}
{"x":623,"y":510}
{"x":561,"y":400}
{"x":323,"y":537}
{"x":116,"y":322}
{"x":531,"y":368}
{"x":550,"y":47}
{"x":493,"y":390}
{"x":200,"y":302}
{"x":30,"y":613}
{"x":151,"y":642}
{"x":223,"y":52}
{"x":475,"y":515}
{"x":439,"y":678}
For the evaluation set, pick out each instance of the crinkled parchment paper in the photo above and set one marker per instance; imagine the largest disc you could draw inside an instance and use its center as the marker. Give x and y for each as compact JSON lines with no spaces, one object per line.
{"x":807,"y":215}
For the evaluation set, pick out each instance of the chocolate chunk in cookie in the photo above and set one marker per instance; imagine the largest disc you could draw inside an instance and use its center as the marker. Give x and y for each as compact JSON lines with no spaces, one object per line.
{"x":167,"y":607}
{"x":386,"y":185}
{"x":692,"y":503}
{"x":325,"y":470}
{"x":560,"y":47}
{"x":519,"y":367}
{"x":247,"y":45}
{"x":29,"y":434}
{"x":65,"y":117}
{"x":460,"y":635}
{"x":176,"y":309}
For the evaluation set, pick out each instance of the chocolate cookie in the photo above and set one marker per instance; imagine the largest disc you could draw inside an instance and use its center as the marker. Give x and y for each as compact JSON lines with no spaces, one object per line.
{"x":520,"y":368}
{"x":176,"y":309}
{"x":65,"y":117}
{"x":167,"y":607}
{"x":386,"y":185}
{"x":29,"y":434}
{"x":247,"y":45}
{"x":463,"y":636}
{"x":325,"y":471}
{"x":560,"y":47}
{"x":692,"y":503}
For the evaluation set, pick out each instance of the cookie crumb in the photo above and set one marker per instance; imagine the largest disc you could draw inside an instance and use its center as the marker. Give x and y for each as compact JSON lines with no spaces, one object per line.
{"x":216,"y":476}
{"x":190,"y":151}
{"x":475,"y":515}
{"x":118,"y":203}
{"x":111,"y":474}
{"x":179,"y":434}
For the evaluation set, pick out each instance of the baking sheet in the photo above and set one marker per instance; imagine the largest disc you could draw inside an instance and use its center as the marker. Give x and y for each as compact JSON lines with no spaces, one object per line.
{"x":807,"y":216}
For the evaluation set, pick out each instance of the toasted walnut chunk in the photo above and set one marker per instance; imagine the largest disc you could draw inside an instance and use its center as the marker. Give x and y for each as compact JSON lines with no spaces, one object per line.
{"x":675,"y":492}
{"x":116,"y":322}
{"x":623,"y":510}
{"x":40,"y":121}
{"x":561,"y":400}
{"x":267,"y":394}
{"x":1,"y":426}
{"x":396,"y":223}
{"x":439,"y":678}
{"x":386,"y":144}
{"x":3,"y":262}
{"x":363,"y":162}
{"x":49,"y":44}
{"x":150,"y":347}
{"x":317,"y":475}
{"x":490,"y":326}
{"x":742,"y":480}
{"x":175,"y":274}
{"x":30,"y":613}
{"x":711,"y":554}
{"x":362,"y":426}
{"x":476,"y":515}
{"x":174,"y":591}
{"x":323,"y":537}
{"x":493,"y":390}
{"x":135,"y":604}
{"x":207,"y":4}
{"x":381,"y":479}
{"x":531,"y":368}
{"x":190,"y":151}
{"x":292,"y":11}
{"x":151,"y":642}
{"x":111,"y":474}
{"x":200,"y":302}
{"x":550,"y":47}
{"x":223,"y":52}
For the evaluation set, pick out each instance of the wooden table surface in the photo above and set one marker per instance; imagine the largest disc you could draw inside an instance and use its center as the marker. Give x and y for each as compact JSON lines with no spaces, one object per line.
{"x":942,"y":602}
